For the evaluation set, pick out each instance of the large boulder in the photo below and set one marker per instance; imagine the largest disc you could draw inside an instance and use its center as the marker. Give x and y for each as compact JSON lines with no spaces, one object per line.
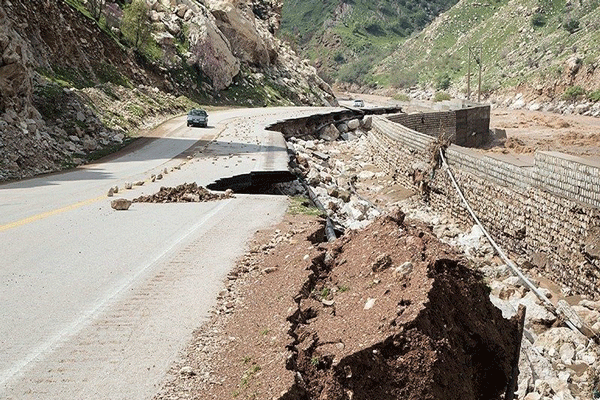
{"x":211,"y":51}
{"x":241,"y":30}
{"x":329,"y":133}
{"x":366,"y":123}
{"x":353,"y":124}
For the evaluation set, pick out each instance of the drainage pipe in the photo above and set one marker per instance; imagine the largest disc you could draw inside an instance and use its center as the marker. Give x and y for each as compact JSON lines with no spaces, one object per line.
{"x":329,"y":231}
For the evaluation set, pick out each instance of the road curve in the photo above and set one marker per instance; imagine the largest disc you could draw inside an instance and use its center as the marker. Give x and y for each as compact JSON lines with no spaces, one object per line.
{"x":96,"y":303}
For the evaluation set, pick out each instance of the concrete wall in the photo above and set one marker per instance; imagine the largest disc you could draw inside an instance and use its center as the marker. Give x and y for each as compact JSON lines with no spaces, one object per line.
{"x":544,"y":208}
{"x":467,"y":127}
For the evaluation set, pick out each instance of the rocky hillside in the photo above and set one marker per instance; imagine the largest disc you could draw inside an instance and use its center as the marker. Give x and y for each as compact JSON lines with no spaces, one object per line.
{"x":74,"y":87}
{"x":345,"y":38}
{"x":545,"y":49}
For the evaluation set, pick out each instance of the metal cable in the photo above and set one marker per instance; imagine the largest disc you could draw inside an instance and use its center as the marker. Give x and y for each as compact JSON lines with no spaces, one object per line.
{"x":508,"y":262}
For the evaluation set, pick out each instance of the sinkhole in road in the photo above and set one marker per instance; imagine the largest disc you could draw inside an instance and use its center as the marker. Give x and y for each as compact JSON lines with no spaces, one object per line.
{"x":261,"y":182}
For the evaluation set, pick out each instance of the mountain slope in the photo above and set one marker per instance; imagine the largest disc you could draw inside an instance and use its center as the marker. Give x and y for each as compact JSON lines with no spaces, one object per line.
{"x":345,"y":38}
{"x":544,"y":47}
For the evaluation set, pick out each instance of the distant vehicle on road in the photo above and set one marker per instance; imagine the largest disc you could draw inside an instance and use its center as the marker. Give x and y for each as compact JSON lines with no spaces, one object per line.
{"x":358,"y":103}
{"x":197,"y":117}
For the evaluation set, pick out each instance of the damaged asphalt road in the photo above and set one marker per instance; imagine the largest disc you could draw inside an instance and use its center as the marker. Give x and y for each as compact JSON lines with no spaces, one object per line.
{"x":95,"y":302}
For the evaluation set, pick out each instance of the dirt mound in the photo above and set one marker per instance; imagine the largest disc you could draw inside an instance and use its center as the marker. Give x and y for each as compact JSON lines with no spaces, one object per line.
{"x":186,"y":193}
{"x":390,"y":313}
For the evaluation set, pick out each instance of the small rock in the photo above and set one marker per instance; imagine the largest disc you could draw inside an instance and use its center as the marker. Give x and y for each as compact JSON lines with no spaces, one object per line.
{"x":191,"y":197}
{"x":383,"y":262}
{"x":269,"y":270}
{"x":152,"y":178}
{"x":567,"y":353}
{"x":120,"y":204}
{"x":404,"y":270}
{"x":159,"y":177}
{"x":115,"y":189}
{"x":366,"y":175}
{"x":344,"y":195}
{"x":329,"y":133}
{"x":342,"y":128}
{"x":367,"y":123}
{"x":111,"y":192}
{"x":370,"y":303}
{"x":187,"y":371}
{"x":139,"y":183}
{"x":328,"y":303}
{"x":128,"y":185}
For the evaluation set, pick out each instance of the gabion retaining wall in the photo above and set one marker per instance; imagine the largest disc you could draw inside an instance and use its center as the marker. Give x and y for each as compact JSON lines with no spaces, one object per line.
{"x":546,"y":209}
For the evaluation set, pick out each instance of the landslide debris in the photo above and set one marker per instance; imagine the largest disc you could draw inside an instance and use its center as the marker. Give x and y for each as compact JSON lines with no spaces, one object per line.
{"x":186,"y":193}
{"x":390,"y":312}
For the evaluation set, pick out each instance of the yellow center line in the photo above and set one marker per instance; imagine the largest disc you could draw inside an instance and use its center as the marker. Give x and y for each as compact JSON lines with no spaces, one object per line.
{"x":47,"y":214}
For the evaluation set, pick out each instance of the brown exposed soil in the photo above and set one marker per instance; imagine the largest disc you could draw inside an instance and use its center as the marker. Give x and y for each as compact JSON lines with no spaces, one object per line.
{"x":528,"y":131}
{"x":188,"y":192}
{"x":388,"y":312}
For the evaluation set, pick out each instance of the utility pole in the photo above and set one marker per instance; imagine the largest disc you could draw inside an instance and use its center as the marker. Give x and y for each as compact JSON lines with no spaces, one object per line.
{"x":480,"y":67}
{"x":476,"y":53}
{"x":469,"y":76}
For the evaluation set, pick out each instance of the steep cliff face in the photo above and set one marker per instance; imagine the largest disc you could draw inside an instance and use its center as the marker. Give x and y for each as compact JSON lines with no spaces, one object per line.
{"x":72,"y":89}
{"x":16,"y":64}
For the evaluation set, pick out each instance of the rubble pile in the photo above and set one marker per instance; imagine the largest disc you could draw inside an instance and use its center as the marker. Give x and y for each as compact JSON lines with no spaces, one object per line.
{"x":332,"y":178}
{"x":186,"y":193}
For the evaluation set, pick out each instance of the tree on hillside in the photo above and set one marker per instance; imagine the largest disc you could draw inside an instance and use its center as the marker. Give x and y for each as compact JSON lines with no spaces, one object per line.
{"x":136,"y":25}
{"x":96,"y":7}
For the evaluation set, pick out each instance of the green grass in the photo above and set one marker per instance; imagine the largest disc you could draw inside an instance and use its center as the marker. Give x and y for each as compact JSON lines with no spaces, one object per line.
{"x":249,"y":374}
{"x":302,"y":205}
{"x":573,"y":93}
{"x":343,"y":288}
{"x":107,"y":73}
{"x":441,"y":96}
{"x":50,"y":100}
{"x":594,"y":96}
{"x":401,"y":97}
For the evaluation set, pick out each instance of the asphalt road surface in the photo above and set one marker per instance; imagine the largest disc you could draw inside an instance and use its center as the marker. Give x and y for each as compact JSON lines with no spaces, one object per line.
{"x":97,"y":303}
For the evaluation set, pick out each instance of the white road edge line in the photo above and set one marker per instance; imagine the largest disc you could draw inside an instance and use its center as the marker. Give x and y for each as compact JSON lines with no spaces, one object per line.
{"x":77,"y":325}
